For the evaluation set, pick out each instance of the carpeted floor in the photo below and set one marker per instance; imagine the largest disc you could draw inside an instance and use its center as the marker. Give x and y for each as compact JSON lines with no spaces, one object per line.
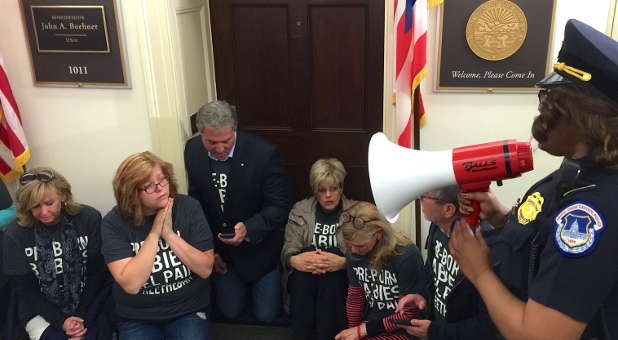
{"x":228,"y":331}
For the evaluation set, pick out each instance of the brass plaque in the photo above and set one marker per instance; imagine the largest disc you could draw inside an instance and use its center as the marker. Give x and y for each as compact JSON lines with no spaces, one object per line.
{"x":496,"y":29}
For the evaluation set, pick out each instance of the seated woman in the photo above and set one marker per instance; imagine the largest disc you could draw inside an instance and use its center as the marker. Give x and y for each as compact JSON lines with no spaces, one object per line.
{"x":383,"y":266}
{"x":313,"y":255}
{"x":52,"y":254}
{"x":159,"y":249}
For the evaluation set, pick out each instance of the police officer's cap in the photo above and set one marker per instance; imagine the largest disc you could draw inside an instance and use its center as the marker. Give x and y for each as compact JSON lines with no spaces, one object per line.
{"x":587,"y":57}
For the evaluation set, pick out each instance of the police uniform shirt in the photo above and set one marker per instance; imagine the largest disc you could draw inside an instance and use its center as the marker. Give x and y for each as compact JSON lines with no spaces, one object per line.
{"x":578,"y":267}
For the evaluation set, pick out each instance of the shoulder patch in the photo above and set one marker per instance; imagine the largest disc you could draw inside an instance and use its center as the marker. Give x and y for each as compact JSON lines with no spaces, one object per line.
{"x":528,"y":210}
{"x":577,"y":229}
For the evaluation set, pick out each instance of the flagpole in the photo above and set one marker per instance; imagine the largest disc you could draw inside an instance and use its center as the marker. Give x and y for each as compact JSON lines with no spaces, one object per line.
{"x":416,"y":146}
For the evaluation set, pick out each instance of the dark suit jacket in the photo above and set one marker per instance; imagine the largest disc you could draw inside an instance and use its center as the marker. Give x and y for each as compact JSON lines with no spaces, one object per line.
{"x":257,"y":194}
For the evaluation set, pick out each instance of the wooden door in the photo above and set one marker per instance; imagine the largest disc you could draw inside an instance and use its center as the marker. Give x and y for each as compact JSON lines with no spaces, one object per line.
{"x":306,"y":75}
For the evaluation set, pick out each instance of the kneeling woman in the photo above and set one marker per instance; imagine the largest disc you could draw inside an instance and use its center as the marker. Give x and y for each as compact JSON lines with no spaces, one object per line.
{"x":159,"y":249}
{"x":52,"y":253}
{"x":383,"y":266}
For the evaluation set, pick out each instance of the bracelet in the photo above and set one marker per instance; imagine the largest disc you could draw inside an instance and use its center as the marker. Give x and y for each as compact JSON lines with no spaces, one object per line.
{"x":358,"y":331}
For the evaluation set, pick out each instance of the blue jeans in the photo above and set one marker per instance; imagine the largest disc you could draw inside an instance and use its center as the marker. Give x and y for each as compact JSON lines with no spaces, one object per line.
{"x":231,"y":292}
{"x":187,"y":327}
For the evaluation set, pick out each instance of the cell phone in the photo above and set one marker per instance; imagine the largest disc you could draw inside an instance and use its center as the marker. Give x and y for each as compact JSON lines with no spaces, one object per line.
{"x":229,"y":234}
{"x":402,"y":322}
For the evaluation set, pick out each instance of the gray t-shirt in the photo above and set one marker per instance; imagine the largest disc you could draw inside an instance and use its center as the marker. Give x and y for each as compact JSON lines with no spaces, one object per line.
{"x":172,"y":290}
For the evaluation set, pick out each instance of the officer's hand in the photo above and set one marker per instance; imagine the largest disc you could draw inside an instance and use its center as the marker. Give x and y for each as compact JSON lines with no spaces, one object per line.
{"x":418,"y":328}
{"x":410,"y":300}
{"x":470,"y":251}
{"x":491,"y":209}
{"x":240,"y":231}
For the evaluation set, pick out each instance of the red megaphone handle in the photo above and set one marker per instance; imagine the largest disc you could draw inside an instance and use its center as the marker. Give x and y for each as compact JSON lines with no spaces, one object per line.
{"x":473,"y":218}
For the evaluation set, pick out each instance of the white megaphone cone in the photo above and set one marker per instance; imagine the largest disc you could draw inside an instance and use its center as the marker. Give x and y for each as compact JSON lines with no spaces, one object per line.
{"x":399,"y":175}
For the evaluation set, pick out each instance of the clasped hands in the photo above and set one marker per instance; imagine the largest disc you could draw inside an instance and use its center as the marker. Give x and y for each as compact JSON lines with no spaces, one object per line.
{"x":162,"y":225}
{"x":73,"y":327}
{"x":317,"y":262}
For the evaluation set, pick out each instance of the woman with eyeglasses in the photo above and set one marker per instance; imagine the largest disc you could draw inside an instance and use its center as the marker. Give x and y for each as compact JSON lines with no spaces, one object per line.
{"x":159,"y":249}
{"x":383,"y":266}
{"x":313,"y":255}
{"x":52,"y":253}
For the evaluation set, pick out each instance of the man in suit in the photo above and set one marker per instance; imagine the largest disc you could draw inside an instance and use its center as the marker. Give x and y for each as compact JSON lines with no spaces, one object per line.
{"x":240,"y":182}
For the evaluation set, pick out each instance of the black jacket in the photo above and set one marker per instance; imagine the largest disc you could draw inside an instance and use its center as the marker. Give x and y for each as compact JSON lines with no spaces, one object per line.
{"x":467,"y":316}
{"x":258,"y":195}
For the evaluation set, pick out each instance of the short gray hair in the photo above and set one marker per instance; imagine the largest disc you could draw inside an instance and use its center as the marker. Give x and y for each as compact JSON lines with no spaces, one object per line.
{"x":326,"y":168}
{"x":448,"y":194}
{"x":216,"y":115}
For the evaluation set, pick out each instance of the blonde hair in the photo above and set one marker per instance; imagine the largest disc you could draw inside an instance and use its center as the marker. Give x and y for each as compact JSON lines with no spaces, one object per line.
{"x":130,"y":176}
{"x":372,"y":223}
{"x":326,"y":168}
{"x":29,"y":196}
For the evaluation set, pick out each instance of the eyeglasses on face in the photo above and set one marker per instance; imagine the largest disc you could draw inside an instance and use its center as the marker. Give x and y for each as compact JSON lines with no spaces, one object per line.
{"x":41,"y":176}
{"x":432,"y":198}
{"x":152,"y":187}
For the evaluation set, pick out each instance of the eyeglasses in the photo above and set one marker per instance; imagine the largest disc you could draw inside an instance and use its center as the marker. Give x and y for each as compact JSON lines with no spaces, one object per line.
{"x":152,"y":187}
{"x":432,"y":198}
{"x":42,"y":176}
{"x":356,"y":221}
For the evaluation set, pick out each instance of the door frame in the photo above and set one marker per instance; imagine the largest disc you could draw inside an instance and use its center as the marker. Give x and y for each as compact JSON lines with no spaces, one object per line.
{"x":169,"y":126}
{"x":163,"y":77}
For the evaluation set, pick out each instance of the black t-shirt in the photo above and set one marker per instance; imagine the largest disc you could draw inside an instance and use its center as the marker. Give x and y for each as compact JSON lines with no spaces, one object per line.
{"x":325,"y":230}
{"x":20,"y":240}
{"x":220,"y":173}
{"x":401,"y":275}
{"x":445,"y":272}
{"x":172,"y":290}
{"x":20,"y":256}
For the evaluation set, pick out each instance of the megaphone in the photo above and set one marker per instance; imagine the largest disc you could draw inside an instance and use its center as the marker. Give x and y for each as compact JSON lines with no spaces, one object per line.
{"x":400,"y":175}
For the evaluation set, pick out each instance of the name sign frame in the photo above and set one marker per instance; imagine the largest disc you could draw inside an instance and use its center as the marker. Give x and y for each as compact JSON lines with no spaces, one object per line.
{"x":75,"y":43}
{"x":459,"y":67}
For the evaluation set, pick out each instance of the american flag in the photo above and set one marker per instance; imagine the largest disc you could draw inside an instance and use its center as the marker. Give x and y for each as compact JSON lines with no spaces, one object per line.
{"x":410,"y":62}
{"x":14,"y":152}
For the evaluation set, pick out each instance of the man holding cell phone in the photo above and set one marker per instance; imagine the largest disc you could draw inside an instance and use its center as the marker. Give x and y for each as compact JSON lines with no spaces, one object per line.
{"x":240,"y":182}
{"x":453,"y":307}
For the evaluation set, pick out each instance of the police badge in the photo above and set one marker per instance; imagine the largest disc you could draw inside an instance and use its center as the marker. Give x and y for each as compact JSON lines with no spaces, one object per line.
{"x":577,"y":229}
{"x":530,"y":208}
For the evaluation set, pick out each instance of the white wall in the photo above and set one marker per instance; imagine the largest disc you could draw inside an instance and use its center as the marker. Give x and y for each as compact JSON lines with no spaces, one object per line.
{"x":84,"y":133}
{"x":458,"y":119}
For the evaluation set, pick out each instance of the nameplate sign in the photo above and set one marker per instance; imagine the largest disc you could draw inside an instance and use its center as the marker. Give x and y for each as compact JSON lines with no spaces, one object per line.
{"x":75,"y":43}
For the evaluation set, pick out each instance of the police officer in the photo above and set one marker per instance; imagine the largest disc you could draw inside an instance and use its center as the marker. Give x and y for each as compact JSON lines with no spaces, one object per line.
{"x":560,"y":273}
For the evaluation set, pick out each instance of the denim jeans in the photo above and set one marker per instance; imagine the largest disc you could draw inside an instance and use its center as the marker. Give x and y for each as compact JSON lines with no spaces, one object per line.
{"x":187,"y":327}
{"x":231,"y":292}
